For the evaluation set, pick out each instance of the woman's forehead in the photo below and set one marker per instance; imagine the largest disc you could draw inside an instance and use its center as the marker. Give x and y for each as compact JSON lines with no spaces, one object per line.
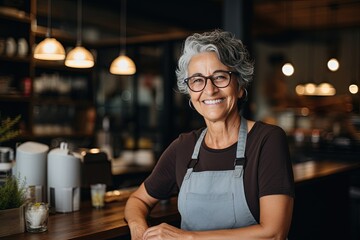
{"x":205,"y":62}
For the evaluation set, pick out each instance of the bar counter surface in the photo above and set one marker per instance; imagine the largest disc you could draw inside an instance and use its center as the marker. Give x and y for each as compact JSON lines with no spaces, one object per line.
{"x":108,"y":223}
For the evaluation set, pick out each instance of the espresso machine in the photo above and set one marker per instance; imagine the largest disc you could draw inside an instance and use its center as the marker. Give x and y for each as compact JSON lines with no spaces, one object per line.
{"x":64,"y":179}
{"x":30,"y":167}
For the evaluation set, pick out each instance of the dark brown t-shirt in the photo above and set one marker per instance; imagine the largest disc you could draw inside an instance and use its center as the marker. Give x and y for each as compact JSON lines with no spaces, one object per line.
{"x":268,"y":168}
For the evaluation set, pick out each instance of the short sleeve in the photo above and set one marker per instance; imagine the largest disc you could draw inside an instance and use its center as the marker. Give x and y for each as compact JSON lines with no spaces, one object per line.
{"x":275,"y":173}
{"x":161,"y":183}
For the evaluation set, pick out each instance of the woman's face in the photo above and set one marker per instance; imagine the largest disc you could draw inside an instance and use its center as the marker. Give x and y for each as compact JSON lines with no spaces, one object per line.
{"x":213,"y":103}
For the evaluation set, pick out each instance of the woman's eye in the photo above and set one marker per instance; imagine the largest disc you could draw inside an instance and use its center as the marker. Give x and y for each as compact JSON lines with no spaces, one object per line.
{"x":219,"y":77}
{"x":197,"y":80}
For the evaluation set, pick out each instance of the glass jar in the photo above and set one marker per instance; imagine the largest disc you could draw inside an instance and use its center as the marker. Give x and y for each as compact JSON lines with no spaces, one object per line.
{"x":36,"y":217}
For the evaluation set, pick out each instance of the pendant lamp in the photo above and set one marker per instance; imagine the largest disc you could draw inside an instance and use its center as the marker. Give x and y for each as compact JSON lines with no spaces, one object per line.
{"x":288,"y":68}
{"x":354,"y":87}
{"x":123,"y":65}
{"x":79,"y":57}
{"x":49,"y":48}
{"x":333,"y":63}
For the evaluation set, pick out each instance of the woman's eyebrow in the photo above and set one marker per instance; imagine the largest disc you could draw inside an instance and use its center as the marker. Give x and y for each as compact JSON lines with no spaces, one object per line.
{"x":199,"y":74}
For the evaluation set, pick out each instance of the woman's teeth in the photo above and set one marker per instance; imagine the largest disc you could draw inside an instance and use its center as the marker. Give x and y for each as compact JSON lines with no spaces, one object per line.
{"x":215,"y":101}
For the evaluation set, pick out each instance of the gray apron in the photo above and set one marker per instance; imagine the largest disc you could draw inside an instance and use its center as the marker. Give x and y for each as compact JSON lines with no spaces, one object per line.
{"x":211,"y":200}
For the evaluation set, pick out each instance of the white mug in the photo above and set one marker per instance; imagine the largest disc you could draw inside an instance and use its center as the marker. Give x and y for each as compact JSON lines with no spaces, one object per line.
{"x":11,"y":153}
{"x":10,"y":46}
{"x":23,"y":47}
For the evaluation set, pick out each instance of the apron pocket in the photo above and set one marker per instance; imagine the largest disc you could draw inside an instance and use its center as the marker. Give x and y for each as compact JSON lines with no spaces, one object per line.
{"x":209,"y":211}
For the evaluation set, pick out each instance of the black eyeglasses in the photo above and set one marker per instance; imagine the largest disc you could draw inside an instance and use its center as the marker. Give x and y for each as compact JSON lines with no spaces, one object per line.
{"x":220,"y":79}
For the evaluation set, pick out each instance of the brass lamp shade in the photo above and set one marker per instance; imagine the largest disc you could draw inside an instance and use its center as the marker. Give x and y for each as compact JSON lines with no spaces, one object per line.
{"x":49,"y":49}
{"x":79,"y":57}
{"x":123,"y":65}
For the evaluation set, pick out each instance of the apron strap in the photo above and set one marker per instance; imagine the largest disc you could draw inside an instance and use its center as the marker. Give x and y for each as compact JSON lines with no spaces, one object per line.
{"x":188,"y":173}
{"x":195,"y":156}
{"x":198,"y":145}
{"x":240,"y":150}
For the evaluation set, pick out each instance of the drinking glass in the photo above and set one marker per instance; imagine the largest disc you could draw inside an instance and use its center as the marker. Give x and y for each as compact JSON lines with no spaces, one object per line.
{"x":36,"y":217}
{"x":98,"y":194}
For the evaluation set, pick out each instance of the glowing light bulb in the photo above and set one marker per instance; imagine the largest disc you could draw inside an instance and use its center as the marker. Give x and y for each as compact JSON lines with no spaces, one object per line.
{"x":353,"y":89}
{"x":326,"y":89}
{"x":300,"y":89}
{"x":310,"y":89}
{"x":288,"y":69}
{"x":333,"y":64}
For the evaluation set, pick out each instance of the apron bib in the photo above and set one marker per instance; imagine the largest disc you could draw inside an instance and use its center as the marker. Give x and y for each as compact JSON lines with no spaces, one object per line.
{"x":211,"y":200}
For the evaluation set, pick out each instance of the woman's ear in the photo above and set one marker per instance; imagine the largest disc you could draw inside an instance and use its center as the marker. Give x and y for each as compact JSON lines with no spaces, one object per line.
{"x":243,"y":94}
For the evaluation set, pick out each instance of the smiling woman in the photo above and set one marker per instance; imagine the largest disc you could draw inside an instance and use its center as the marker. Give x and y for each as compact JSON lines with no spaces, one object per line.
{"x":199,"y":165}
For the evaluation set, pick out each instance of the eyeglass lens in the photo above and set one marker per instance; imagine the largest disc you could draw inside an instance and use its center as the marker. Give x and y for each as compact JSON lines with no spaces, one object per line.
{"x":220,"y":79}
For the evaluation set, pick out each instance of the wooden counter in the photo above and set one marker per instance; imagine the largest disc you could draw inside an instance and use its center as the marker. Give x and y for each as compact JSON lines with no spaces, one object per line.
{"x":90,"y":223}
{"x":312,"y":170}
{"x":108,"y":223}
{"x":322,"y":202}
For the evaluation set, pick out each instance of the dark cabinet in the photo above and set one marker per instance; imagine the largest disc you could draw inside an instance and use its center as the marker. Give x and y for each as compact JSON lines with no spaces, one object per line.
{"x":54,"y":101}
{"x":15,"y":61}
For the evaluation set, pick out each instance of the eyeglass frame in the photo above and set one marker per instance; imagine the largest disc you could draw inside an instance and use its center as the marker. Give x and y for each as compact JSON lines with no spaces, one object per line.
{"x":211,"y":77}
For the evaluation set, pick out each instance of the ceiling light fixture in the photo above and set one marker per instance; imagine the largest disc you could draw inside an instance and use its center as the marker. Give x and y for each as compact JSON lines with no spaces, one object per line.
{"x":353,"y":87}
{"x":123,"y":65}
{"x":333,"y":63}
{"x":79,"y":57}
{"x":311,"y":88}
{"x":49,"y":48}
{"x":288,"y":69}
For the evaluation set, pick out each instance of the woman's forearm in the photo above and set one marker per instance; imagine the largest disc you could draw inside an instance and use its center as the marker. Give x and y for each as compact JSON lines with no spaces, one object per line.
{"x":136,"y":212}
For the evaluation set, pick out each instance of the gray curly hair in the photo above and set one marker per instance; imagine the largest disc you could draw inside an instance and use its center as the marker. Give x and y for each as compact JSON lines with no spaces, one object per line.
{"x":230,"y":51}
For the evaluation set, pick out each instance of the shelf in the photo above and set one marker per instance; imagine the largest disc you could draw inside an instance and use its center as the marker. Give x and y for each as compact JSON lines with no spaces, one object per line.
{"x":30,"y":136}
{"x":64,"y":135}
{"x":61,"y":101}
{"x":40,"y":32}
{"x":15,"y":59}
{"x":14,"y":14}
{"x":59,"y":65}
{"x":14,"y":98}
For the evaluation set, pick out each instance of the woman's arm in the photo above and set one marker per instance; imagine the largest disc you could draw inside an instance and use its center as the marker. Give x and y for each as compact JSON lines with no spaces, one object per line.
{"x":275,"y":220}
{"x":136,"y":211}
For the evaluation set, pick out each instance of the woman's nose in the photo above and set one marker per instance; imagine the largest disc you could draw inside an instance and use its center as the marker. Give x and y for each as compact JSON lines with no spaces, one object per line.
{"x":210,"y":88}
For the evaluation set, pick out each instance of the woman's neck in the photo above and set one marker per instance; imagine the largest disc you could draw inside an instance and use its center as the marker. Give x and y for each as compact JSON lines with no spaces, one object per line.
{"x":221,"y":135}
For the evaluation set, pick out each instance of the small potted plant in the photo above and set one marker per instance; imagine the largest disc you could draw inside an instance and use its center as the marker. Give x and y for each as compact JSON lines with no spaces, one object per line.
{"x":6,"y":128}
{"x":12,"y":201}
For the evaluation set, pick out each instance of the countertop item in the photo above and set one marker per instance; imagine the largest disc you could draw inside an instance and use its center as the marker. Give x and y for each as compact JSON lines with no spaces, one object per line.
{"x":64,"y":179}
{"x":108,"y":222}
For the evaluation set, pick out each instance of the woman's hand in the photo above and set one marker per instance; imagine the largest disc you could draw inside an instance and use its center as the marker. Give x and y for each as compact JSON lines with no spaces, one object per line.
{"x":165,"y":231}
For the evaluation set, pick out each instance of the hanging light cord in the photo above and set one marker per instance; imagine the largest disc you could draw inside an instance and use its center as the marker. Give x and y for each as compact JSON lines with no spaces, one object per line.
{"x":79,"y":14}
{"x":357,"y":57}
{"x":123,"y":27}
{"x":311,"y":47}
{"x":48,"y":32}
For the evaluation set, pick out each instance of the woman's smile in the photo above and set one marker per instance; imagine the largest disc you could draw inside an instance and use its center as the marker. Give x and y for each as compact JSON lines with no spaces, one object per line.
{"x":213,"y":101}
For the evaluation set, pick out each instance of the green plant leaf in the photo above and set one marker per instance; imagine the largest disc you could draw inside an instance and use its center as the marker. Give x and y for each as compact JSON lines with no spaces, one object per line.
{"x":12,"y":193}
